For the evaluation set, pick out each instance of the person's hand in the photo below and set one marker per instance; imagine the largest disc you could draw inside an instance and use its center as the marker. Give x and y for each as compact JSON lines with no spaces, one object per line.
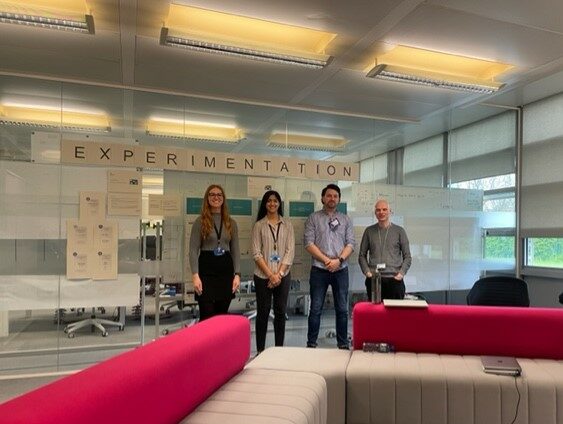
{"x":369,"y":274}
{"x":236,"y":283}
{"x":333,"y":265}
{"x":198,"y":286}
{"x":274,"y":280}
{"x":398,"y":276}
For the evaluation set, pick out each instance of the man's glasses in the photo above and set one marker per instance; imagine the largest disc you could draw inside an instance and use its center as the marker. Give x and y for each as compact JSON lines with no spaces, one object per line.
{"x":217,"y":195}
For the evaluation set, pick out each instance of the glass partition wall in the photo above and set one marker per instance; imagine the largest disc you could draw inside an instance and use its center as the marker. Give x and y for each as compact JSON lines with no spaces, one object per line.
{"x":449,"y":183}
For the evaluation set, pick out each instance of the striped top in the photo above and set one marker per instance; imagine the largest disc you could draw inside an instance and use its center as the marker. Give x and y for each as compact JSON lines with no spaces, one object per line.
{"x":263,"y":244}
{"x":331,"y":240}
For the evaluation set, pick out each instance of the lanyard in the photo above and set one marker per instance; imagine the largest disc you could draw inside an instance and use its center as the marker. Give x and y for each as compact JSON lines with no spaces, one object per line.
{"x":218,"y":232}
{"x":276,"y":236}
{"x":382,"y":245}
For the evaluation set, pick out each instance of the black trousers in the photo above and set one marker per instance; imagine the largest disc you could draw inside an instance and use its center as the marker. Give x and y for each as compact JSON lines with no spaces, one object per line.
{"x":208,"y":309}
{"x":390,"y":288}
{"x":264,"y":304}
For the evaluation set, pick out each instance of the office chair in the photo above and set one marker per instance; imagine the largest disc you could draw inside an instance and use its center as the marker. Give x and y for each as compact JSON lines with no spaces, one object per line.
{"x":92,"y":322}
{"x":499,"y":290}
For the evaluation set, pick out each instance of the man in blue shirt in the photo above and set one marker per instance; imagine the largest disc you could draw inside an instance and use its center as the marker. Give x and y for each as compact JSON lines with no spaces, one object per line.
{"x":329,"y":238}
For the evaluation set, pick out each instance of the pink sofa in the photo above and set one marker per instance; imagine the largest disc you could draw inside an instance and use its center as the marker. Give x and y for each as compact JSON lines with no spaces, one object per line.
{"x":161,"y":382}
{"x":193,"y":376}
{"x":465,"y":330}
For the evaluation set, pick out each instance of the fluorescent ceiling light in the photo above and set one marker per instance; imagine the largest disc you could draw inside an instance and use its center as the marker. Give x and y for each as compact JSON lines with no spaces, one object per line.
{"x":53,"y":118}
{"x":194,"y":130}
{"x":216,"y":32}
{"x":67,"y":15}
{"x":425,"y":67}
{"x":307,"y":142}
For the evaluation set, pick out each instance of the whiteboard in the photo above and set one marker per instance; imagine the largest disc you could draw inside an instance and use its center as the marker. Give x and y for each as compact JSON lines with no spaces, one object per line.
{"x":443,"y":227}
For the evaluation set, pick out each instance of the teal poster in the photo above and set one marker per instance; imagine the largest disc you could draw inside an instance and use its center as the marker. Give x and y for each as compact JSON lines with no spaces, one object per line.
{"x":301,"y":209}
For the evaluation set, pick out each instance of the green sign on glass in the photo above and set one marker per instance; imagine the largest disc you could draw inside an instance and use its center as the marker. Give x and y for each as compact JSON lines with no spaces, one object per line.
{"x":193,"y":205}
{"x":301,"y":209}
{"x":342,"y":208}
{"x":240,"y":207}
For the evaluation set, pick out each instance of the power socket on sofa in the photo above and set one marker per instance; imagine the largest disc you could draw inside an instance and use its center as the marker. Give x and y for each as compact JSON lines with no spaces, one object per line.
{"x":381,"y":347}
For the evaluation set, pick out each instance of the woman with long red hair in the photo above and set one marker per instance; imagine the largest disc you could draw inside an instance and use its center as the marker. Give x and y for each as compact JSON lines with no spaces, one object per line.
{"x":214,"y":255}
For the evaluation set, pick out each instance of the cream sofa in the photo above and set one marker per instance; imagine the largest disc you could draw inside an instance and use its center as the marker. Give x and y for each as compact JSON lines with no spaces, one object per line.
{"x":436,"y":375}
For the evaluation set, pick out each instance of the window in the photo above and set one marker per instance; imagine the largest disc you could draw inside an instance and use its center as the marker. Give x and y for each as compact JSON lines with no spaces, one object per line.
{"x":374,"y":169}
{"x":483,"y":149}
{"x":499,"y":247}
{"x":498,"y":192}
{"x":498,"y":219}
{"x":544,"y":252}
{"x":489,"y":183}
{"x":423,"y":162}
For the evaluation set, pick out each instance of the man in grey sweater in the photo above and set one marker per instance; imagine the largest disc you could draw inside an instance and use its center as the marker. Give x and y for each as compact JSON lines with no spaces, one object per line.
{"x":385,"y":247}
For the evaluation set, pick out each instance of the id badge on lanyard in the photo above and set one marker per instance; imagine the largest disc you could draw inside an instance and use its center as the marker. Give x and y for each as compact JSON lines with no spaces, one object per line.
{"x":334,"y":223}
{"x":218,"y":251}
{"x":275,"y":257}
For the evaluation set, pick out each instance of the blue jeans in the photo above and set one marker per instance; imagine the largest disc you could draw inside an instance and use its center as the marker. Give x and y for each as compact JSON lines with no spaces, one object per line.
{"x":319,"y":281}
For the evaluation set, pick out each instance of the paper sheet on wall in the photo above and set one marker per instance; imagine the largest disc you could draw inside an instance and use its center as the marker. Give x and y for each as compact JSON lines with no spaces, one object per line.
{"x":165,"y":205}
{"x":78,"y":264}
{"x":78,"y":249}
{"x":104,"y":265}
{"x":125,"y":181}
{"x":79,"y":234}
{"x":92,"y":205}
{"x":105,"y":235}
{"x":129,"y":204}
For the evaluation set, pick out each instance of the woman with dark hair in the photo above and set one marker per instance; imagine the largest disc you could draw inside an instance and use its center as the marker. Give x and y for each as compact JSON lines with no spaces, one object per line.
{"x":214,"y":255}
{"x":273,"y":249}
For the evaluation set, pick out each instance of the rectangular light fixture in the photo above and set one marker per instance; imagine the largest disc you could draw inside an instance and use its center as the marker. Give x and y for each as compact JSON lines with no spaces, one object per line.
{"x":232,"y":35}
{"x":194,"y":130}
{"x":436,"y":69}
{"x":283,"y":140}
{"x":53,"y":118}
{"x":67,"y":15}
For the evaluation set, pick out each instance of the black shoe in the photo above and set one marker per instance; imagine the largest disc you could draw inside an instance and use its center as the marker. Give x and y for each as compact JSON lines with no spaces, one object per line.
{"x":344,"y":347}
{"x":312,"y":345}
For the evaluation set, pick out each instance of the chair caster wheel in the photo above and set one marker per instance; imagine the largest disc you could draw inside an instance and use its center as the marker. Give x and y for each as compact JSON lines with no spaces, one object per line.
{"x":70,"y":335}
{"x":122,"y":328}
{"x":330,"y":334}
{"x":105,"y":334}
{"x":66,"y":330}
{"x":165,"y":332}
